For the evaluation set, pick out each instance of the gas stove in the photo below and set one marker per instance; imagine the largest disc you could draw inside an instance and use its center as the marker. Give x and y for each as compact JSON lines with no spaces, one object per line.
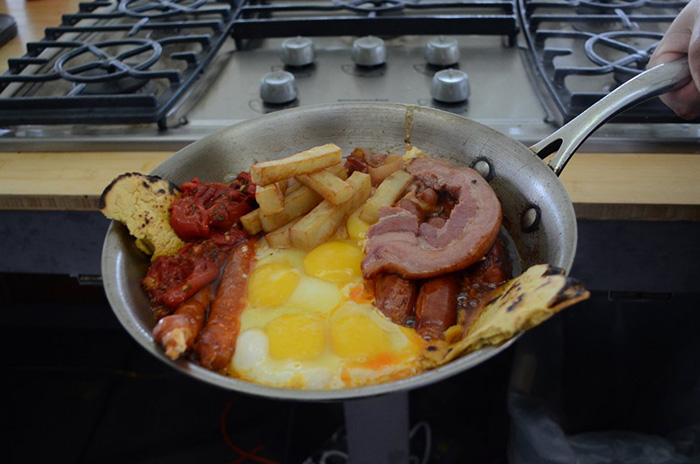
{"x":146,"y":74}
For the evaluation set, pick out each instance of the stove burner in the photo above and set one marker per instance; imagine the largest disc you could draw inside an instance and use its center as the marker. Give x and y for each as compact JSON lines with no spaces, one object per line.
{"x":114,"y":62}
{"x":113,"y":67}
{"x":584,"y":48}
{"x":630,"y":53}
{"x":159,"y":8}
{"x":112,"y":87}
{"x":610,"y":5}
{"x":621,"y":22}
{"x":257,"y":19}
{"x":374,"y":6}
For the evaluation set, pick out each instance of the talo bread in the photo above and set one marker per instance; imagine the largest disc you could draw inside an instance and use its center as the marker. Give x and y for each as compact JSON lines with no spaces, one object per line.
{"x":141,"y":202}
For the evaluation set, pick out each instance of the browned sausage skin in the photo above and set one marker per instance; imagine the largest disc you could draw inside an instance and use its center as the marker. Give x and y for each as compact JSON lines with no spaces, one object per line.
{"x":436,"y":306}
{"x":217,"y":342}
{"x":177,"y":332}
{"x":479,"y":280}
{"x":488,"y":273}
{"x":395,"y":297}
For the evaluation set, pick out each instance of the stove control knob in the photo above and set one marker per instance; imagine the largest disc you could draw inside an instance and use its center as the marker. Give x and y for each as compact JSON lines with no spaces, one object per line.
{"x":442,"y":51}
{"x":369,"y":51}
{"x":298,"y":51}
{"x":278,"y":87}
{"x":450,"y":86}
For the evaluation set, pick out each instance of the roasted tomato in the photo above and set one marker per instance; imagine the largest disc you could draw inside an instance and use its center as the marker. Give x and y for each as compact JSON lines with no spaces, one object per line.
{"x":173,"y":279}
{"x":207,"y":209}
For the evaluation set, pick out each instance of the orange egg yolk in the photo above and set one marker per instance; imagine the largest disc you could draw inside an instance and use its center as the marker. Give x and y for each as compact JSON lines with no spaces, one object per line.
{"x":334,"y":261}
{"x":272,"y":284}
{"x":296,"y":336}
{"x":357,"y":337}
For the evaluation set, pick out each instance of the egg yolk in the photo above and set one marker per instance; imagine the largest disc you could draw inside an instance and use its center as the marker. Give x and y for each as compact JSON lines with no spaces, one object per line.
{"x":334,"y":261}
{"x":297,"y":336}
{"x":357,"y":337}
{"x":272,"y":284}
{"x":356,"y":227}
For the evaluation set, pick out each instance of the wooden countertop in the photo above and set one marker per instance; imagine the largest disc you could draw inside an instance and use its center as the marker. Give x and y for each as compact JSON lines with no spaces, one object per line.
{"x":601,"y":185}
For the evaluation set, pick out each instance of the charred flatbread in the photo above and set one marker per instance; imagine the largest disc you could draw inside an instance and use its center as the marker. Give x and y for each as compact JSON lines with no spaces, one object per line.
{"x":518,"y":305}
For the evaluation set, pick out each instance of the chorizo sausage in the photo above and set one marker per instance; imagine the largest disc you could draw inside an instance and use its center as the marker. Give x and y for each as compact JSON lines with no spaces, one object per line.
{"x":482,"y":278}
{"x":217,"y":341}
{"x":436,"y":307}
{"x":395,"y":297}
{"x":488,"y":273}
{"x":177,"y":332}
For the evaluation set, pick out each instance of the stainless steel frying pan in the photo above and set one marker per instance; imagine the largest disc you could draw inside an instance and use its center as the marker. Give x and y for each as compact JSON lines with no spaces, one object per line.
{"x":537,"y":212}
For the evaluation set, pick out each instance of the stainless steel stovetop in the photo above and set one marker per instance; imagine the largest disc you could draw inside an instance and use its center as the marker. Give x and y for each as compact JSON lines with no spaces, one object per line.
{"x":507,"y":91}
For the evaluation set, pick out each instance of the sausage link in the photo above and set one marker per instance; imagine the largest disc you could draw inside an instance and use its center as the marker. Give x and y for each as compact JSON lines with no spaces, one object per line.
{"x":436,"y":307}
{"x":217,"y":341}
{"x":395,"y":297}
{"x":177,"y":332}
{"x":497,"y":266}
{"x":487,"y":274}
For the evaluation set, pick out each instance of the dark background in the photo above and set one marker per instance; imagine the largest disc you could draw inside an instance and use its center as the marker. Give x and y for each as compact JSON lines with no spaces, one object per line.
{"x":81,"y":390}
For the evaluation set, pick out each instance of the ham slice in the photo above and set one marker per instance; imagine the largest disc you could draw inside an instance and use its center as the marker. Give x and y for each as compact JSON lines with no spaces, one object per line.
{"x":399,"y":244}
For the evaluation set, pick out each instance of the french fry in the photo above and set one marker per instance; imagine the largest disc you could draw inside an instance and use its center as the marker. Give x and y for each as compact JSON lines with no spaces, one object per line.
{"x":270,"y":198}
{"x":338,"y":170}
{"x":292,"y":185}
{"x":314,"y":159}
{"x":281,"y":238}
{"x":326,"y":184}
{"x":386,"y":195}
{"x":299,"y":202}
{"x":321,"y":223}
{"x":251,"y":222}
{"x":392,"y":164}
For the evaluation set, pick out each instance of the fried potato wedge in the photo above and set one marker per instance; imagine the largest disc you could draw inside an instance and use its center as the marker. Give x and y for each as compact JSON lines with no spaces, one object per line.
{"x":522,"y":303}
{"x":270,"y":198}
{"x":321,"y":223}
{"x":386,"y":195}
{"x":338,"y":170}
{"x":281,"y":238}
{"x":328,"y":185}
{"x":312,"y":160}
{"x":298,"y":202}
{"x":392,"y":164}
{"x":251,"y":222}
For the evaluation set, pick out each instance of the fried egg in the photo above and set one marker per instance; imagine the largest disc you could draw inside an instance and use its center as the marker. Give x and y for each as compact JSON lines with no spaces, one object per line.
{"x":309,"y":322}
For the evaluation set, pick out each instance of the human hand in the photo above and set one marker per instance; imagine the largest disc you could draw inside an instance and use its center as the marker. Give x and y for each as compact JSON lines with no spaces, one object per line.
{"x":682,"y":37}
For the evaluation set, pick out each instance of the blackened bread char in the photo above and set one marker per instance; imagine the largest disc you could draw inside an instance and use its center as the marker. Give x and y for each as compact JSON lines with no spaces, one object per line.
{"x":399,"y":244}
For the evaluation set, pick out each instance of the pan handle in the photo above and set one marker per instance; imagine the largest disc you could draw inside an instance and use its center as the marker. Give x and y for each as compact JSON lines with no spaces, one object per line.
{"x":651,"y":83}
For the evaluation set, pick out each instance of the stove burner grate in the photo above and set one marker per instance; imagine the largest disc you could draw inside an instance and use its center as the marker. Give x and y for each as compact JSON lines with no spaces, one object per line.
{"x":280,"y":18}
{"x":582,"y":49}
{"x":115,"y":62}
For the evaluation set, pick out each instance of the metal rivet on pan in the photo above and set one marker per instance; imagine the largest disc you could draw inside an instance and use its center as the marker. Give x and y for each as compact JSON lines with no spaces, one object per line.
{"x":530,"y":219}
{"x":484,"y":168}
